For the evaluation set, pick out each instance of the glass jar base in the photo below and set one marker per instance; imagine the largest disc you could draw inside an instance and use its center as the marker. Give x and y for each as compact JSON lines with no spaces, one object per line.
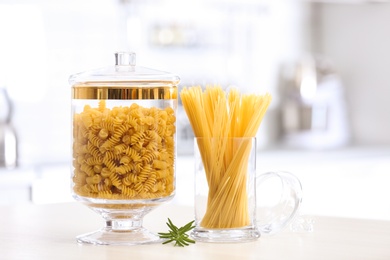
{"x":225,"y":235}
{"x":123,"y":221}
{"x":107,"y":236}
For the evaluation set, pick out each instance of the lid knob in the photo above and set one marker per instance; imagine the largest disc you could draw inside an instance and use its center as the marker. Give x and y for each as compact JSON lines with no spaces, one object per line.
{"x":125,"y":59}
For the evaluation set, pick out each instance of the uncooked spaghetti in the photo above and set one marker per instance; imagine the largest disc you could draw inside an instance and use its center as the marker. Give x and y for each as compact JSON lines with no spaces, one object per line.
{"x":218,"y":117}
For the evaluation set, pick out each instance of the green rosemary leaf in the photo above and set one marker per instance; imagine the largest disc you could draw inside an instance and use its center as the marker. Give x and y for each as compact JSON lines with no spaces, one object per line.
{"x":168,"y":241}
{"x":184,"y":243}
{"x":171,"y":226}
{"x":164,"y":236}
{"x":179,"y":235}
{"x":189,"y":240}
{"x":188,"y":226}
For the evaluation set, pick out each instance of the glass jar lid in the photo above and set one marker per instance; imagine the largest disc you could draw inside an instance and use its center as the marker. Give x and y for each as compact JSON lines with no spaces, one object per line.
{"x":126,"y":72}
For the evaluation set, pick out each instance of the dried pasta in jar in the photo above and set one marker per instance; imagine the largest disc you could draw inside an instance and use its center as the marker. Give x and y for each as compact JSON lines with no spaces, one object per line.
{"x":124,"y":152}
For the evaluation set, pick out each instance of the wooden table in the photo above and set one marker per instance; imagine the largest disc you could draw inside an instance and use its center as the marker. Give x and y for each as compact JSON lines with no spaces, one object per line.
{"x":49,"y":231}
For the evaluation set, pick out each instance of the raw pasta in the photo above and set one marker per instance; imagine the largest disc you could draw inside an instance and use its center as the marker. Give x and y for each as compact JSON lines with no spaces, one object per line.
{"x":124,"y":152}
{"x":217,"y":117}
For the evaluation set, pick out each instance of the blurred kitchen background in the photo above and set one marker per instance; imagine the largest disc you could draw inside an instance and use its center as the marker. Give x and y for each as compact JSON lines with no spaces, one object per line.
{"x":326,"y":63}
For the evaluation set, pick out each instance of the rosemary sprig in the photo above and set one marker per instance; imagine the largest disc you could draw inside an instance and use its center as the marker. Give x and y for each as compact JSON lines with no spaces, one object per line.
{"x":179,"y":235}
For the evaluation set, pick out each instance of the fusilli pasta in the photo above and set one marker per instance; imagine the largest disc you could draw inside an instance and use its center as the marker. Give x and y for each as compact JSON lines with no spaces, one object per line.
{"x":124,"y":152}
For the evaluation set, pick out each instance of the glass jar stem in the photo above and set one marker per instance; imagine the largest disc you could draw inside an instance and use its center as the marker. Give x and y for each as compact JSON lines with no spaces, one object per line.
{"x":124,"y":224}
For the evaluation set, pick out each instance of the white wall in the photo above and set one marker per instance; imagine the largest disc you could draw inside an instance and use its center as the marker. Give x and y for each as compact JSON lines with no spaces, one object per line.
{"x":357,"y":38}
{"x":42,"y":43}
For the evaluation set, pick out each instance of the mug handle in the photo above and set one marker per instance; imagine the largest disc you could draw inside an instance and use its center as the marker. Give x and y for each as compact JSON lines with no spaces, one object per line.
{"x":271,"y":219}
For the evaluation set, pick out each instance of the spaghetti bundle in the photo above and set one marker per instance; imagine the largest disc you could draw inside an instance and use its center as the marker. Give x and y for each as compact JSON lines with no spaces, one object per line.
{"x":216,"y":118}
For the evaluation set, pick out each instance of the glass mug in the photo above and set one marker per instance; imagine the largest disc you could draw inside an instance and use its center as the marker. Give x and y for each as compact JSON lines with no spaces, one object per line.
{"x":226,"y":183}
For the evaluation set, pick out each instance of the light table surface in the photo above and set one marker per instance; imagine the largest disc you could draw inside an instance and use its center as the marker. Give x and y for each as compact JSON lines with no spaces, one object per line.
{"x":49,"y":231}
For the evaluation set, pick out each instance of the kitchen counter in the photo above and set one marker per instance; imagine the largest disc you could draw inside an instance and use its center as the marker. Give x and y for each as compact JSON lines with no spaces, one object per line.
{"x":48,"y":232}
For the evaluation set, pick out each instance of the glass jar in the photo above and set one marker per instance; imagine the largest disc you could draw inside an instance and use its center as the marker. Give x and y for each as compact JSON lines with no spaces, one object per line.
{"x":124,"y":146}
